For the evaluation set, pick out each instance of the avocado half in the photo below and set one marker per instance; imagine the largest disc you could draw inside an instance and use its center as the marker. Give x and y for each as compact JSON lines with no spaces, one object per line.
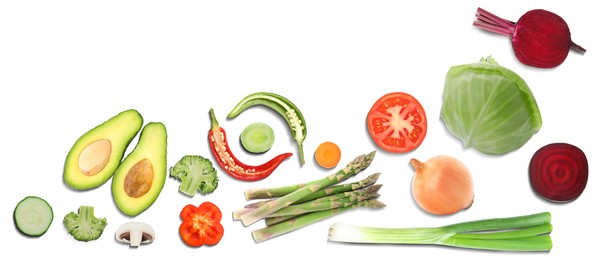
{"x":141,"y":175}
{"x":96,"y":154}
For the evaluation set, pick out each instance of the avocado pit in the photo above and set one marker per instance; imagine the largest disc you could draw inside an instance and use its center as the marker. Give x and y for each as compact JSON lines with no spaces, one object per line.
{"x":139,"y":179}
{"x":94,"y":157}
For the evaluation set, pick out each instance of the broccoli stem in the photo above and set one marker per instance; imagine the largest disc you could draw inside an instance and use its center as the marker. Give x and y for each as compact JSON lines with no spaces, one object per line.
{"x":190,"y":185}
{"x":86,"y":214}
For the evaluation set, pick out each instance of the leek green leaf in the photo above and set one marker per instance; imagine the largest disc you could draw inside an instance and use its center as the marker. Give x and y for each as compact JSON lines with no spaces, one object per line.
{"x":489,"y":107}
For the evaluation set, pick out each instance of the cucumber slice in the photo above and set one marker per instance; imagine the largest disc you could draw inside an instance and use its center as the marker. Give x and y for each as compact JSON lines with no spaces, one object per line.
{"x":257,"y":138}
{"x":33,"y":216}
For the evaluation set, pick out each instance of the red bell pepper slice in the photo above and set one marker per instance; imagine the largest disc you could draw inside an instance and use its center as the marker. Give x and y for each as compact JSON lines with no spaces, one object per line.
{"x":201,"y":225}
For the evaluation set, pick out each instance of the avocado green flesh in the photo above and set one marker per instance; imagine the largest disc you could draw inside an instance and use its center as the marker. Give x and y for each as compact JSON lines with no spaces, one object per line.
{"x":139,"y":179}
{"x":93,"y":158}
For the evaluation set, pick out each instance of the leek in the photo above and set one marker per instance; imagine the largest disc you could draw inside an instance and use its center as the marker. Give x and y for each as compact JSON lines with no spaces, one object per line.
{"x":521,"y":233}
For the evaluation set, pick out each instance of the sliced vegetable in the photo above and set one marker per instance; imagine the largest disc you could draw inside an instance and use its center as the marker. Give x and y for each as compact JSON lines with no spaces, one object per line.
{"x":201,"y":225}
{"x":33,"y":216}
{"x":522,"y":233}
{"x":442,"y":185}
{"x":83,"y":225}
{"x":489,"y":107}
{"x":229,"y":163}
{"x":559,"y":172}
{"x":196,"y":174}
{"x":284,"y":107}
{"x":540,"y":38}
{"x":327,"y":155}
{"x":257,"y":137}
{"x":397,"y":122}
{"x":135,"y":233}
{"x":358,"y":164}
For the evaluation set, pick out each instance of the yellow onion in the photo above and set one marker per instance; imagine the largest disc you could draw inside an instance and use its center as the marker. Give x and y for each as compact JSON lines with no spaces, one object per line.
{"x":442,"y":185}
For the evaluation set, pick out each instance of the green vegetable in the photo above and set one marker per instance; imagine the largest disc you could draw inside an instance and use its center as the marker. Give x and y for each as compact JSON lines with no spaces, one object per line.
{"x":331,"y":193}
{"x":266,"y":193}
{"x":369,"y":193}
{"x":522,"y":233}
{"x":307,"y":219}
{"x":358,"y":164}
{"x":196,"y":173}
{"x":327,"y":202}
{"x":84,"y":226}
{"x":257,"y":138}
{"x":284,"y":107}
{"x":33,"y":216}
{"x":489,"y":107}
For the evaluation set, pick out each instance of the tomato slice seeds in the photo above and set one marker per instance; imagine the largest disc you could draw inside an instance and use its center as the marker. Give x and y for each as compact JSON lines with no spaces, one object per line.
{"x":397,"y":122}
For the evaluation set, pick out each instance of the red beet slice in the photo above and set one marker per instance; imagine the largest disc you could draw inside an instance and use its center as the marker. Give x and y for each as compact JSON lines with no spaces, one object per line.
{"x":559,"y":172}
{"x":540,"y":38}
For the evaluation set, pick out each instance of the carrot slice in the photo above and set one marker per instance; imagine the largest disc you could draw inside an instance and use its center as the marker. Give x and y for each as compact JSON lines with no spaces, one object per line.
{"x":327,"y":155}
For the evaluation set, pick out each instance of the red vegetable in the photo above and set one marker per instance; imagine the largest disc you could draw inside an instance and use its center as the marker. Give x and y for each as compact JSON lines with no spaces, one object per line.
{"x":201,"y":225}
{"x":397,"y":122}
{"x":559,"y":172}
{"x":230,"y":164}
{"x":540,"y":38}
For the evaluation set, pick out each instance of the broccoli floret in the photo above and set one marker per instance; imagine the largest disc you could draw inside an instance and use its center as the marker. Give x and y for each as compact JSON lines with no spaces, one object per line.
{"x":84,"y":226}
{"x":196,"y":173}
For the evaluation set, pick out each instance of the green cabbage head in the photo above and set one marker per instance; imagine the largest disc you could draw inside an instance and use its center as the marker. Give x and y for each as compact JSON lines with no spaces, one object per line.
{"x":489,"y":107}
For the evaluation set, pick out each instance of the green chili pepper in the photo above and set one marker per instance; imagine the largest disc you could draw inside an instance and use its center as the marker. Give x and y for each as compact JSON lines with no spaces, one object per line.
{"x":284,"y":107}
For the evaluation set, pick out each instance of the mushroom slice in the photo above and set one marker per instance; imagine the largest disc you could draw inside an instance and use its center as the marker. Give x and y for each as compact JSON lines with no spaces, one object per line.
{"x":135,"y":233}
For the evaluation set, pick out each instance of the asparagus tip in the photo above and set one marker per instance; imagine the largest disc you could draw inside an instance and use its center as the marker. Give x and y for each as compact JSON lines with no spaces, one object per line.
{"x":374,"y":188}
{"x":375,"y":204}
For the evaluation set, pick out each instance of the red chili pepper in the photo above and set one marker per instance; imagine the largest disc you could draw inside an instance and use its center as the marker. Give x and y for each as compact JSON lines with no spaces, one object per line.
{"x":201,"y":225}
{"x":230,"y":164}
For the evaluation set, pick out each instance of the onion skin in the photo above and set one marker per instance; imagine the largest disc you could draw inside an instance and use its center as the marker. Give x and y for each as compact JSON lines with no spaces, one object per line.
{"x":442,"y":185}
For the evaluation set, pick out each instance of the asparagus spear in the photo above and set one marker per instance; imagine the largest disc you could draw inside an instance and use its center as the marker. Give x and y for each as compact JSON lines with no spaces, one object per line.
{"x":369,"y":181}
{"x":307,"y":219}
{"x":328,"y":191}
{"x":267,"y":193}
{"x":303,"y":208}
{"x":275,"y":220}
{"x":328,"y":202}
{"x":358,"y":164}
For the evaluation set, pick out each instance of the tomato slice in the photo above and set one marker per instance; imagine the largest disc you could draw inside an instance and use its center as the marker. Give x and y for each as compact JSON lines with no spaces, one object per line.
{"x":397,"y":122}
{"x":201,"y":225}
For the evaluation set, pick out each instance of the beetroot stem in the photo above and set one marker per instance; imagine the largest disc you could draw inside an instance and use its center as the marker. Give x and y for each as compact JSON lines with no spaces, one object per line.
{"x":493,"y":23}
{"x":578,"y":48}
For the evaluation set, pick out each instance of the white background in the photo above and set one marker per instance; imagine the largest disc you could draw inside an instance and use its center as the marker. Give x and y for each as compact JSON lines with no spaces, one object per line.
{"x":66,"y":66}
